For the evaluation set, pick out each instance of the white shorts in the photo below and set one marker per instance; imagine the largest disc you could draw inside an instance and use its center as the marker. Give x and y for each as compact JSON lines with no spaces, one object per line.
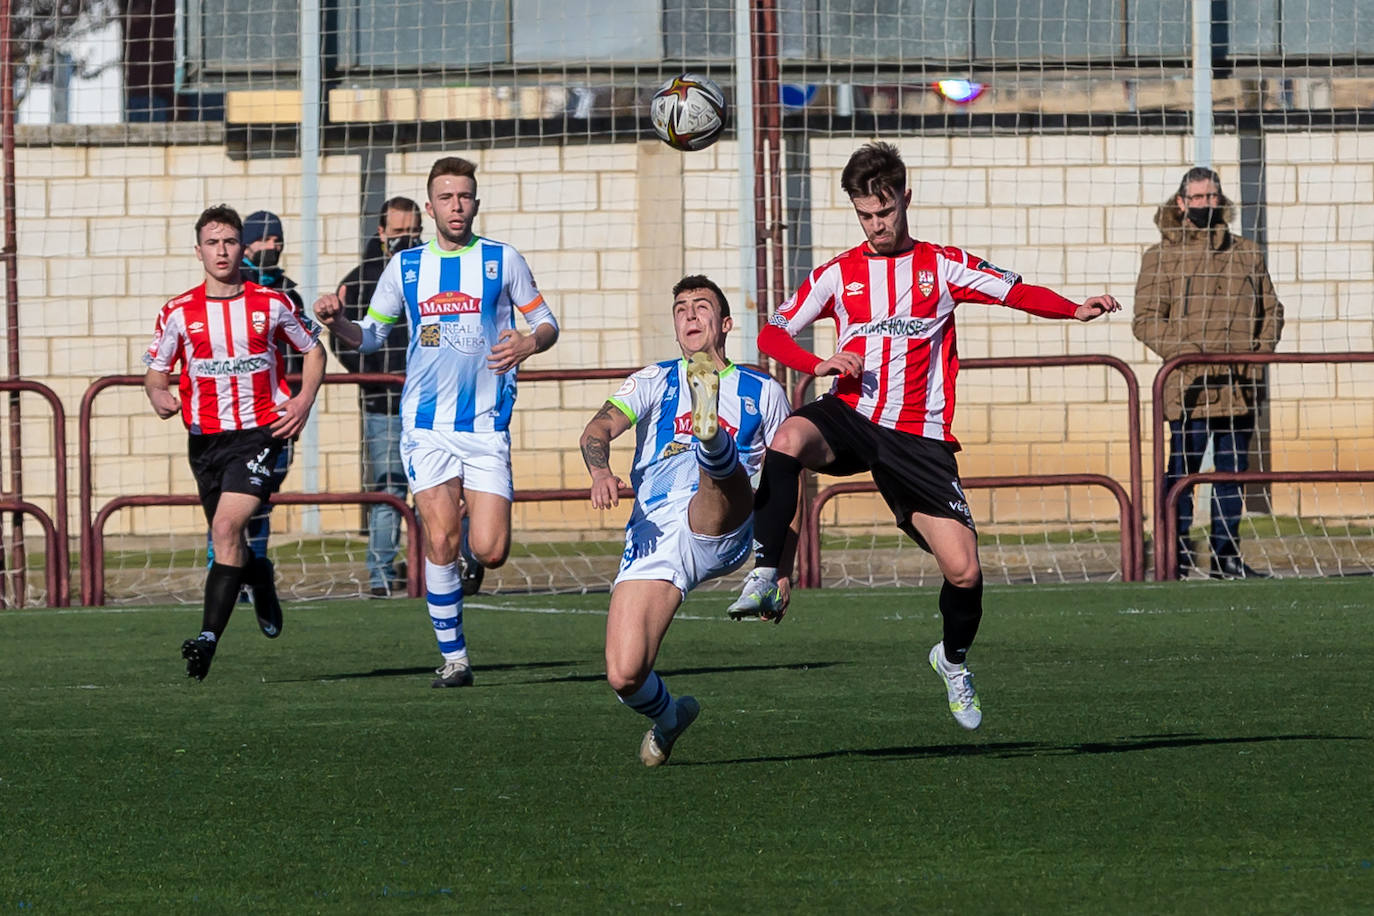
{"x":481,"y":460}
{"x":664,"y":547}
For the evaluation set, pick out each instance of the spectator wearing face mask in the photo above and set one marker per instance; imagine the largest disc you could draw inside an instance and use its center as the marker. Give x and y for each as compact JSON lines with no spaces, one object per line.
{"x":399,"y":226}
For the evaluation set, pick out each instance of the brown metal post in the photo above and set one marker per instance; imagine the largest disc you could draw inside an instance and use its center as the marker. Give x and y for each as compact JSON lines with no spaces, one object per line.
{"x":11,"y":255}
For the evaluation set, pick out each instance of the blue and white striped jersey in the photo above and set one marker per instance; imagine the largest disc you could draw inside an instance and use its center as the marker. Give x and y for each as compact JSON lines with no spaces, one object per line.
{"x":656,"y":399}
{"x":457,"y":303}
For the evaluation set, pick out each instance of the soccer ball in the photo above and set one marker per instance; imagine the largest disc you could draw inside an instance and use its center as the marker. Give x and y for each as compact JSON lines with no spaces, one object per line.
{"x":688,"y":112}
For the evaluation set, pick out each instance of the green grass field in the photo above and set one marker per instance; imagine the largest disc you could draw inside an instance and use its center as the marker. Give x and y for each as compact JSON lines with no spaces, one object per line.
{"x":1192,"y":747}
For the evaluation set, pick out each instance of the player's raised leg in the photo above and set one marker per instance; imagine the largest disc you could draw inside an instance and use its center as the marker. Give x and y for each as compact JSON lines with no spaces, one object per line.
{"x":439,"y":511}
{"x":955,"y":547}
{"x":724,"y":499}
{"x":640,"y":613}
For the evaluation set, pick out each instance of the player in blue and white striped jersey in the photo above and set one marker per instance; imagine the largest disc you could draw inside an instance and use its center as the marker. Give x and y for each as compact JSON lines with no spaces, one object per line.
{"x":701,"y":427}
{"x":460,"y":294}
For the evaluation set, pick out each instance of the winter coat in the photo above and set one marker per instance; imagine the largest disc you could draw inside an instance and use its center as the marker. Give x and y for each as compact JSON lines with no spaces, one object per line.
{"x":1206,"y":291}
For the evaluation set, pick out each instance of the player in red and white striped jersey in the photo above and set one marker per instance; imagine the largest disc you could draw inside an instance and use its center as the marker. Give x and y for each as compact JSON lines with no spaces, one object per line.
{"x":891,"y":408}
{"x":237,"y":409}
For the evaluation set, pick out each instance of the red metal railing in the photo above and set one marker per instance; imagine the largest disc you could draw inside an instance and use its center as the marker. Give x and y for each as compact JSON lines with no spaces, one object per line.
{"x":1132,"y":524}
{"x":414,"y":563}
{"x":59,"y":549}
{"x":56,"y":571}
{"x":1129,"y":560}
{"x":1166,"y":504}
{"x":90,"y":533}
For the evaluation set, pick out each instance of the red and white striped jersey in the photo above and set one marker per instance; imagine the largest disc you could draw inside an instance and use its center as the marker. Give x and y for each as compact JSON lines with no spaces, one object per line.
{"x":232,"y":372}
{"x":897,"y":313}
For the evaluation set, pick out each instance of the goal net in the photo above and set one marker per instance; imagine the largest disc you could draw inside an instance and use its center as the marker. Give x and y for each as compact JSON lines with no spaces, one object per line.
{"x":1044,"y":138}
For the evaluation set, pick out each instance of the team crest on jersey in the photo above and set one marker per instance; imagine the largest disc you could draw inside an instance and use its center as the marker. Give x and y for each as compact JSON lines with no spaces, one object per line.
{"x":853,"y":289}
{"x":925,"y":281}
{"x":259,"y":320}
{"x":411,"y":276}
{"x":429,"y":335}
{"x":490,"y":268}
{"x":450,"y":302}
{"x":750,"y":407}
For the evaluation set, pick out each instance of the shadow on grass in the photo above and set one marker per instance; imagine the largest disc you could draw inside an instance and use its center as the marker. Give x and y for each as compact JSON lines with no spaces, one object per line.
{"x":1012,"y":749}
{"x":425,"y":669}
{"x":674,"y":672}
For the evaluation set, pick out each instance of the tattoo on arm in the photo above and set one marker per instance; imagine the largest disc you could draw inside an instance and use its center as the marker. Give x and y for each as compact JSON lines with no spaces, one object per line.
{"x":596,"y":453}
{"x":605,"y":412}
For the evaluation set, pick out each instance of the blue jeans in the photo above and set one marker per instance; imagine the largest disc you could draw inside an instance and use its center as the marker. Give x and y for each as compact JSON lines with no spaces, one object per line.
{"x":385,"y":472}
{"x":1230,"y":437}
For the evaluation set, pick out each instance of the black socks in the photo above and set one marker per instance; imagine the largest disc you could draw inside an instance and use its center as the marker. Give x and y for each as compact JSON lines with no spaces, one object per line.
{"x":962,"y":609}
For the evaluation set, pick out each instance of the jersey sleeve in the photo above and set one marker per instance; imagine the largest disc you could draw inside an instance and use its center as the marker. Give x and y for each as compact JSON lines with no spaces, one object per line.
{"x":387,"y":305}
{"x":292,"y":325}
{"x":524,"y":292}
{"x":638,"y":394}
{"x":813,"y":300}
{"x":166,"y":346}
{"x":970,"y":278}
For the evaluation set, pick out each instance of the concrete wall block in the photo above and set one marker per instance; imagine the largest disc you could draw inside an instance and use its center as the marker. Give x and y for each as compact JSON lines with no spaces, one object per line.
{"x":1354,"y":300}
{"x":558,"y":193}
{"x":619,"y":270}
{"x":597,"y":230}
{"x":1109,"y":186}
{"x":1067,"y":149}
{"x":699,"y":230}
{"x":263,"y":192}
{"x":973,"y":152}
{"x":78,"y":197}
{"x":54,"y":161}
{"x":202,"y":161}
{"x":1335,"y":261}
{"x":180,"y":200}
{"x":977,"y":228}
{"x":516,"y":159}
{"x":1355,"y":223}
{"x":613,"y":191}
{"x":933,"y":188}
{"x":565,"y":270}
{"x":1026,"y":186}
{"x":1161,"y":153}
{"x":516,"y":228}
{"x":1336,"y":184}
{"x":83,"y":277}
{"x":600,"y":157}
{"x":1112,"y":266}
{"x":125,"y":162}
{"x":133,"y":236}
{"x":1069,"y":226}
{"x":1301,"y":148}
{"x":30,"y":199}
{"x":1133,"y":224}
{"x":55,"y":237}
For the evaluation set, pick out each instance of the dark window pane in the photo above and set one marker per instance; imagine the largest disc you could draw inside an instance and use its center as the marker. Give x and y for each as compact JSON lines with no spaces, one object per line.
{"x":448,"y":34}
{"x":1160,"y":28}
{"x":895,"y":30}
{"x":578,"y":31}
{"x":1320,"y":28}
{"x":1254,"y":28}
{"x":244,"y":34}
{"x":1046,"y":30}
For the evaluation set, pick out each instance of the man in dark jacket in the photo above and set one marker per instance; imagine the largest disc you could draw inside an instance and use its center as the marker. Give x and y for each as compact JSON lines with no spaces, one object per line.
{"x":399,"y":227}
{"x":1203,"y":289}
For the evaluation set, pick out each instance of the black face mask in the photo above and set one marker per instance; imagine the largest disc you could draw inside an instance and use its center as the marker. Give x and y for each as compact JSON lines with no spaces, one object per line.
{"x":265,"y":258}
{"x":400,"y":243}
{"x":1204,"y":217}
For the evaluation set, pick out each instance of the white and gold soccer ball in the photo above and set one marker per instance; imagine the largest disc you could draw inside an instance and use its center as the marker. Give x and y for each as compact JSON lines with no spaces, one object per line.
{"x":688,"y":112}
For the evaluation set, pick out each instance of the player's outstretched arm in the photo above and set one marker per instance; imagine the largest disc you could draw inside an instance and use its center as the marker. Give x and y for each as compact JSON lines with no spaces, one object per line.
{"x":329,"y":310}
{"x":158,"y":387}
{"x":608,"y":423}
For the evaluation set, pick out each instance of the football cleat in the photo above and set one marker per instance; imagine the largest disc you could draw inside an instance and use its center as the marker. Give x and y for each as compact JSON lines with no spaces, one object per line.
{"x":198,"y":653}
{"x":263,"y":588}
{"x":657,"y":745}
{"x":963,"y":699}
{"x":453,"y":674}
{"x":703,"y":382}
{"x":759,"y":598}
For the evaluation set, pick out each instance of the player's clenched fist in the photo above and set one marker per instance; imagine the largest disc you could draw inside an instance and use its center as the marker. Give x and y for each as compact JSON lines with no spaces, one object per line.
{"x":327,"y":308}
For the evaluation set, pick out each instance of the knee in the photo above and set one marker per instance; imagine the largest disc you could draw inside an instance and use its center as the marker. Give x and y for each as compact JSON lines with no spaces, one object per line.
{"x":787,"y":440}
{"x":624,"y":676}
{"x":965,"y":575}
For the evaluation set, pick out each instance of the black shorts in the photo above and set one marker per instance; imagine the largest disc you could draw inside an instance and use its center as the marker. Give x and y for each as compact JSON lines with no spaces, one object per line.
{"x":913,"y":473}
{"x":238,"y":461}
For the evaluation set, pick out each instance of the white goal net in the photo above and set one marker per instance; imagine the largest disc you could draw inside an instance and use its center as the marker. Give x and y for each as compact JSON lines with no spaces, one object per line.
{"x":1045,"y":138}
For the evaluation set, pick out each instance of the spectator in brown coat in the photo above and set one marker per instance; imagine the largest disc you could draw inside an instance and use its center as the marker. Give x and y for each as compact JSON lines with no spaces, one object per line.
{"x":1203,"y":289}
